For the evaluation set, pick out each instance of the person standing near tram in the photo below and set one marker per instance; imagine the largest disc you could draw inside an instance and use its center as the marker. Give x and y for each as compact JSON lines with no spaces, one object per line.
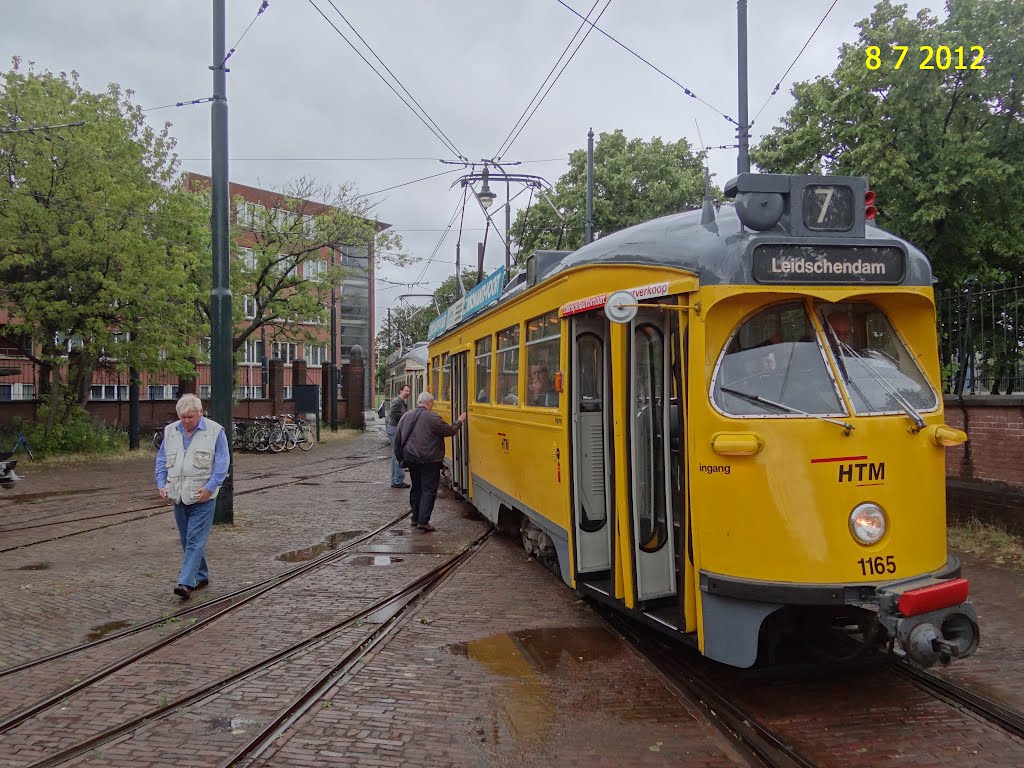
{"x":396,"y":410}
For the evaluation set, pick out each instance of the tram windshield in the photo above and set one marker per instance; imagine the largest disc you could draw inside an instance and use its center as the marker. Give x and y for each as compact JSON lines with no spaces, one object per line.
{"x":878,"y":371}
{"x":775,"y":364}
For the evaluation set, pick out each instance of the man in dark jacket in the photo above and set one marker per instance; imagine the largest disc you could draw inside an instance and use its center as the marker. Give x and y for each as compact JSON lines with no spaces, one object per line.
{"x":396,"y":410}
{"x":421,"y":432}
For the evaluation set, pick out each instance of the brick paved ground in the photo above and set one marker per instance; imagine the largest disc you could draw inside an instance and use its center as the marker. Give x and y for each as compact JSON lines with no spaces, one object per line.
{"x":501,"y":666}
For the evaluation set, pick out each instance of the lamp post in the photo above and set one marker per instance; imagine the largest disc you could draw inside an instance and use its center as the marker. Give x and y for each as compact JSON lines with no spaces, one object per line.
{"x":486,"y":196}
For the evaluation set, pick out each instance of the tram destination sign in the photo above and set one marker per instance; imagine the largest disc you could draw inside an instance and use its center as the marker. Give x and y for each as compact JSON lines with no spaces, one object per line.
{"x":833,"y":264}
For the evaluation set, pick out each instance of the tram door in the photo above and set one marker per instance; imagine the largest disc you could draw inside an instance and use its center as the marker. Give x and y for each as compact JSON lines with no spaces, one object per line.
{"x":650,"y":391}
{"x":592,"y":479}
{"x":460,"y":442}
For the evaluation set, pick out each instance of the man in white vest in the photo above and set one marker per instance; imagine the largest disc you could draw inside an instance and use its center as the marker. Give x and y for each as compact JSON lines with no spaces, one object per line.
{"x":190,"y":466}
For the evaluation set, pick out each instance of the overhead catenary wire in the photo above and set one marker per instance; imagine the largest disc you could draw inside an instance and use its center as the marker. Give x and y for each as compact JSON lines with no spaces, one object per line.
{"x":510,"y":142}
{"x":395,"y":78}
{"x":497,"y":154}
{"x":263,"y":6}
{"x":439,"y":135}
{"x":668,"y":77}
{"x":574,"y":51}
{"x":778,"y":85}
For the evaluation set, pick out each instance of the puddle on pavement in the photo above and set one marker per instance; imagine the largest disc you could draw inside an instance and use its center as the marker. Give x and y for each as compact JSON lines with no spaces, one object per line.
{"x":333,"y":541}
{"x":374,"y":560}
{"x":35,"y":567}
{"x":526,"y":706}
{"x":102,"y":630}
{"x":414,"y":545}
{"x":234,"y":724}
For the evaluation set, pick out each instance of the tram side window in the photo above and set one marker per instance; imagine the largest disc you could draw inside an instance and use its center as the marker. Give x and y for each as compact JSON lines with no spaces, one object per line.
{"x":435,"y":375}
{"x":483,"y":370}
{"x":542,"y":335}
{"x":446,"y":379}
{"x":773,"y":366}
{"x":507,"y":391}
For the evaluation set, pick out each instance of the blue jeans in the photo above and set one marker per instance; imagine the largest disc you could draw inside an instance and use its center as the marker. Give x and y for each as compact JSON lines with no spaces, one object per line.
{"x":397,"y":473}
{"x":194,"y":524}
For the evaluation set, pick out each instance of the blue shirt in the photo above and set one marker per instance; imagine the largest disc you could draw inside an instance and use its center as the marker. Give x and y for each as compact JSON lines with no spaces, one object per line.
{"x":221,"y":458}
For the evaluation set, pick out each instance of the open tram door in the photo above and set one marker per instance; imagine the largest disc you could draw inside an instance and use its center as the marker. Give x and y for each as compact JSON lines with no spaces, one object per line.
{"x":592,"y":497}
{"x":460,"y":442}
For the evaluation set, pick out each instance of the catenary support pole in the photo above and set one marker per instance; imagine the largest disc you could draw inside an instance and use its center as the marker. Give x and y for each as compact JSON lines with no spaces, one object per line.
{"x":221,"y":329}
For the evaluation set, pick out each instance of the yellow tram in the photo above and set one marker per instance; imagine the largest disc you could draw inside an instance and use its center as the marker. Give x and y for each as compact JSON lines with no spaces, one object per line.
{"x":727,"y":423}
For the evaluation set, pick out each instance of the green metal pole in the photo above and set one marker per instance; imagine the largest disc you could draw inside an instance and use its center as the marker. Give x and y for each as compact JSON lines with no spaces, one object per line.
{"x":221,"y":329}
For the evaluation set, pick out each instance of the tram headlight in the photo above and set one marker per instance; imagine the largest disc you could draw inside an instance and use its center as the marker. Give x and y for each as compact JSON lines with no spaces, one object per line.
{"x":868,"y":523}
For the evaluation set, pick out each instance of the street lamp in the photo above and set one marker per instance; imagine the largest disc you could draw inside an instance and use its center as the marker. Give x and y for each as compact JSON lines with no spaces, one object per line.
{"x":485,"y":196}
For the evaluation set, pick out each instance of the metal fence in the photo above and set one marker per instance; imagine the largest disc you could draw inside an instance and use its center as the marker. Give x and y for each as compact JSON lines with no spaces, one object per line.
{"x":981,"y":340}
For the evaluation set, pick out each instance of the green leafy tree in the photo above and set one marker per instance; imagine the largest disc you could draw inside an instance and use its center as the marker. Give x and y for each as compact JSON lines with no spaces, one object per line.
{"x":95,"y":240}
{"x":634,"y":180}
{"x":409,"y":324}
{"x":943,"y":148}
{"x":285,"y":264}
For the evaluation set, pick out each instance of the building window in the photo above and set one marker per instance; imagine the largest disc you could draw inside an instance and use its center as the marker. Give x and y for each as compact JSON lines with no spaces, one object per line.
{"x":508,"y":366}
{"x":286,"y":350}
{"x":205,"y":392}
{"x":108,"y":392}
{"x":161,"y":392}
{"x":17,"y":391}
{"x":435,"y":375}
{"x":249,"y":306}
{"x":542,"y":335}
{"x":253,"y":352}
{"x":12,"y":344}
{"x":248,"y":257}
{"x":316,"y":354}
{"x":315,"y":269}
{"x":483,"y":370}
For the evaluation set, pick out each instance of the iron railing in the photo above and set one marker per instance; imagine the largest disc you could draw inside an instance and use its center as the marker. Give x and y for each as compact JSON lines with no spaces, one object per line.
{"x":981,"y":339}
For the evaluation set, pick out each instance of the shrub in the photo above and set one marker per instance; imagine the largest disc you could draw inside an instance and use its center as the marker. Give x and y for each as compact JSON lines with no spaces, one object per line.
{"x":79,"y":434}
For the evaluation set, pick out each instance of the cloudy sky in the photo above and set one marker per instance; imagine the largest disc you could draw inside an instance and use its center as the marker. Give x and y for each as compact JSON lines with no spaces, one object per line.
{"x":302,"y":102}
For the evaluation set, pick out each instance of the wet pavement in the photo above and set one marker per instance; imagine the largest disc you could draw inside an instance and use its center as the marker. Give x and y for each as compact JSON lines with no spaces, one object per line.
{"x":501,"y":666}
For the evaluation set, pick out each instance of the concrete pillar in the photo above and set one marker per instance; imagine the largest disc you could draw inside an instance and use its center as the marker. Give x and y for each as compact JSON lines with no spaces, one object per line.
{"x":275,"y":384}
{"x":352,"y":377}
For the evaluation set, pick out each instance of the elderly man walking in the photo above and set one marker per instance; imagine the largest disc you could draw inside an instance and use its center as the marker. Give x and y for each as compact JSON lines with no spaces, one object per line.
{"x":190,"y":466}
{"x":421,"y":433}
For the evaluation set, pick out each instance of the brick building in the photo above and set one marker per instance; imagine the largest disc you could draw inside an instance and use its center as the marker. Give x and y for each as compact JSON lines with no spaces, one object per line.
{"x":353,"y":318}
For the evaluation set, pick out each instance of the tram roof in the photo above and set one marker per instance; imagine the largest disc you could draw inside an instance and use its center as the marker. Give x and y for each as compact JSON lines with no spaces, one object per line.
{"x":718,"y":252}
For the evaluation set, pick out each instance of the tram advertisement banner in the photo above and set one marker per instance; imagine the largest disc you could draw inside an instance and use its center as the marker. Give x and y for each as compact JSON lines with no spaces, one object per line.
{"x":788,"y":263}
{"x":474,"y":300}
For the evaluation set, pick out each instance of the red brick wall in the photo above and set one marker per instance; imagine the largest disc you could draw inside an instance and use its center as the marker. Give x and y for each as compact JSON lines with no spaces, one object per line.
{"x":985,"y":477}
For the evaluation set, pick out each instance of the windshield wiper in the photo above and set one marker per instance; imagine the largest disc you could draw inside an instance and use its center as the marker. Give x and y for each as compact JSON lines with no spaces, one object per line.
{"x":908,"y":409}
{"x":847,"y":428}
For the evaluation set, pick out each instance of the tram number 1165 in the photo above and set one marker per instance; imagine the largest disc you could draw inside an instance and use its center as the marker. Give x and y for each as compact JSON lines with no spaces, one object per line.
{"x":877,"y":566}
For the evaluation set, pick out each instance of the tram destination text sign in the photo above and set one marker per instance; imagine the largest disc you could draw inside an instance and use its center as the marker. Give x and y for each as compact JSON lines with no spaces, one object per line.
{"x":833,"y":264}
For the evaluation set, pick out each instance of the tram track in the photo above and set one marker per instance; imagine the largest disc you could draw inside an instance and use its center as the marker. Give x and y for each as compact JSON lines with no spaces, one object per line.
{"x":754,"y":741}
{"x":164,"y":507}
{"x":399,"y":603}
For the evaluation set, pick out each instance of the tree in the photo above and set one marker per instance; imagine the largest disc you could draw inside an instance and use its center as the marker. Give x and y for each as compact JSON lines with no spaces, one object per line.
{"x":95,"y":243}
{"x":408,"y":325}
{"x":943,"y":148}
{"x":634,"y":181}
{"x":285,"y":262}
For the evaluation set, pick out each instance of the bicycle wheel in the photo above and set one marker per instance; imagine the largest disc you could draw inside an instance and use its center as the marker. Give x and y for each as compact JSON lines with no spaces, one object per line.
{"x":305,"y":439}
{"x":262,"y":441}
{"x":278,"y":439}
{"x":158,"y":438}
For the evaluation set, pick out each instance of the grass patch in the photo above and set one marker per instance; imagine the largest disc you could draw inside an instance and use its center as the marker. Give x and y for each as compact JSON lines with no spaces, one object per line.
{"x":989,"y":542}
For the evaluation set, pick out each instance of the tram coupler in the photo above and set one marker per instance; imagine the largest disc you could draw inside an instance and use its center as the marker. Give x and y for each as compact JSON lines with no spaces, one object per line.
{"x":930,"y":619}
